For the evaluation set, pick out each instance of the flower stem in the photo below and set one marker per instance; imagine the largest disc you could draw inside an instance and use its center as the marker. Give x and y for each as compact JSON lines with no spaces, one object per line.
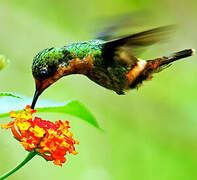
{"x":27,"y":159}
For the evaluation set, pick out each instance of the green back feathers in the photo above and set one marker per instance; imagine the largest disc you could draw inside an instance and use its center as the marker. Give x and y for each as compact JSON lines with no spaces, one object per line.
{"x":83,"y":49}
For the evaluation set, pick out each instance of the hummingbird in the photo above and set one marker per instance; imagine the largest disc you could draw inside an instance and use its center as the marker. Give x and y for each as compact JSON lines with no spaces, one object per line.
{"x":111,"y":63}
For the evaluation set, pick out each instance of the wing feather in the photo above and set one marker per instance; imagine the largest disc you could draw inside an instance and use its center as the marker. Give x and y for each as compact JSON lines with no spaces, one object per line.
{"x":126,"y":48}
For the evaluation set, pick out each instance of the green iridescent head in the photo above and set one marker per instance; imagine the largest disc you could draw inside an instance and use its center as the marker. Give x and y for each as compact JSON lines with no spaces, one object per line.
{"x":45,"y":66}
{"x":46,"y":62}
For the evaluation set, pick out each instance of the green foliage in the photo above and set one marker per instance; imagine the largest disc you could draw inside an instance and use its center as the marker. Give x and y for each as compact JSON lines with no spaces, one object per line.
{"x":9,"y":94}
{"x":74,"y":108}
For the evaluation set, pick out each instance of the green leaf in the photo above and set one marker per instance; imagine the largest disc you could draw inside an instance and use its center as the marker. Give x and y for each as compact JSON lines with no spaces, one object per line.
{"x":74,"y":108}
{"x":3,"y":61}
{"x":5,"y":115}
{"x":9,"y":94}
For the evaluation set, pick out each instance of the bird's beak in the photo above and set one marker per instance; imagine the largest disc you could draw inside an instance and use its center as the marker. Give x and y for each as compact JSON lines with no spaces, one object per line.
{"x":39,"y":90}
{"x":35,"y":98}
{"x":40,"y":87}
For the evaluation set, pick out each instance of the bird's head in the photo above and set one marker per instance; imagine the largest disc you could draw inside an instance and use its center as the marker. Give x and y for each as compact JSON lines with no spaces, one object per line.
{"x":47,"y":68}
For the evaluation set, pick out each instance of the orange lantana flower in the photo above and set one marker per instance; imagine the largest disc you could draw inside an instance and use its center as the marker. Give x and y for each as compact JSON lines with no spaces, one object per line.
{"x":50,"y":140}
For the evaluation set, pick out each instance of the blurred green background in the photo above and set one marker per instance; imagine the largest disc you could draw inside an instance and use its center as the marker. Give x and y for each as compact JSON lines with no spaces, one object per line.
{"x":150,"y":134}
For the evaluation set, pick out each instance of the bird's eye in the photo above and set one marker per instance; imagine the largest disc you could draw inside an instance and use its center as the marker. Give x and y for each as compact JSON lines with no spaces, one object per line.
{"x":44,"y":73}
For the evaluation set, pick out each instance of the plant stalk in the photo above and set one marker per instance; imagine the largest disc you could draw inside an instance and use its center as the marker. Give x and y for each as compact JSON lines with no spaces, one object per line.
{"x":27,"y":159}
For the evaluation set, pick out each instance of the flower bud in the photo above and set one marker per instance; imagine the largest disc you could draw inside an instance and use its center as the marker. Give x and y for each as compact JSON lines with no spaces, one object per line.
{"x":3,"y":61}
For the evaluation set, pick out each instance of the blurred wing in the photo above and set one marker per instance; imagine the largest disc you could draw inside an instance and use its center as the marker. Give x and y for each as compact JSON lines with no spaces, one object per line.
{"x":126,"y":48}
{"x":111,"y":26}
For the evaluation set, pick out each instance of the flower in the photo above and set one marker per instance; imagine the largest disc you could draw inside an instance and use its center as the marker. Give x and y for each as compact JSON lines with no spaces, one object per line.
{"x":50,"y":140}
